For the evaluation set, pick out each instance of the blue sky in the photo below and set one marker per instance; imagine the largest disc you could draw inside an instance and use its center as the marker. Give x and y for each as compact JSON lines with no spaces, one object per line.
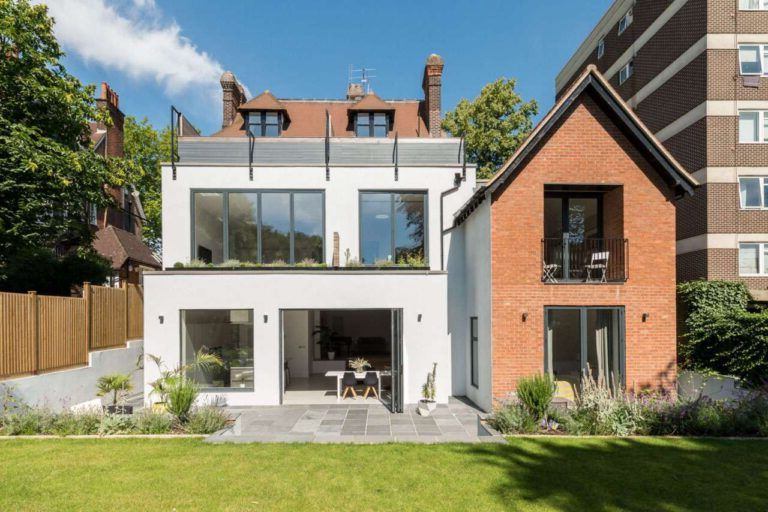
{"x":156,"y":53}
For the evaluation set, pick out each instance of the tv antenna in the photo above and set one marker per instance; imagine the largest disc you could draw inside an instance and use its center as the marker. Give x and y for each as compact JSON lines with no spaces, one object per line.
{"x":361,"y":76}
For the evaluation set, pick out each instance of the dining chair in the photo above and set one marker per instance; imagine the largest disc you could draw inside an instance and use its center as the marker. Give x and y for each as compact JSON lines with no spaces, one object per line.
{"x":349,"y":381}
{"x":370,"y":382}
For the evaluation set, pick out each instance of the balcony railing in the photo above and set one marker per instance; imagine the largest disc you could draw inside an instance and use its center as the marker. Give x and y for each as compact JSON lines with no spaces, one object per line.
{"x":585,"y":260}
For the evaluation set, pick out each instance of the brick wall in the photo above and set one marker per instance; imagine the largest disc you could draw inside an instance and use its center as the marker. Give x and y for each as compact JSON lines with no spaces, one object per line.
{"x":687,"y":146}
{"x":586,"y":148}
{"x":723,"y":17}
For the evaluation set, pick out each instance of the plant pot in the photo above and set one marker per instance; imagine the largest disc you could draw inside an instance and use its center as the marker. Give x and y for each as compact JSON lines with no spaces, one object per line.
{"x":331,"y":355}
{"x":159,"y":407}
{"x":118,"y":409}
{"x":426,"y":407}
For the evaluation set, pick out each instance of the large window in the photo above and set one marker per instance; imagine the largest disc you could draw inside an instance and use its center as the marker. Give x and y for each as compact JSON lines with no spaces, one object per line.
{"x":228,"y":333}
{"x":625,"y":21}
{"x":753,"y":5}
{"x":473,"y":361}
{"x":392,"y":226}
{"x":265,"y":124}
{"x":753,"y":59}
{"x":752,"y":259}
{"x":371,"y":124}
{"x":753,"y":191}
{"x":753,"y":126}
{"x":259,"y":226}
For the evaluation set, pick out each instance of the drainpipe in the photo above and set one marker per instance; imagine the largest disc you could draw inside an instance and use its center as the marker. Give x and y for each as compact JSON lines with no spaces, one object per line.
{"x":457,"y":179}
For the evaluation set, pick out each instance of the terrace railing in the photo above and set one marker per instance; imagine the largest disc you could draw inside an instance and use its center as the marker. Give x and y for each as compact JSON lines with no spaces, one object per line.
{"x":585,"y":260}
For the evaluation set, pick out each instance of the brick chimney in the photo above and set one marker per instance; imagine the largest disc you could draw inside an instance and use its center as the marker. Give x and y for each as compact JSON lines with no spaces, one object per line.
{"x":432,"y":84}
{"x":355,"y":92}
{"x":110,"y":101}
{"x":233,"y":97}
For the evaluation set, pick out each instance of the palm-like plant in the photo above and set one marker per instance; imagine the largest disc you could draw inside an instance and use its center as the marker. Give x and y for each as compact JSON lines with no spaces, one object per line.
{"x":117,"y":383}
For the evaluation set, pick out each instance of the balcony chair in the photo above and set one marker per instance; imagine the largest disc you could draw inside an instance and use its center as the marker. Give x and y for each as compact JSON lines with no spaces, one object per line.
{"x":550,"y":269}
{"x":349,"y":382}
{"x":599,"y":262}
{"x":371,"y":382}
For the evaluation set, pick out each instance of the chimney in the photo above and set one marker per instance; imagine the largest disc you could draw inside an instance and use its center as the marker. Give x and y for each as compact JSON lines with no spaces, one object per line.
{"x":355,"y":91}
{"x":432,"y":84}
{"x":233,"y":97}
{"x":110,"y":101}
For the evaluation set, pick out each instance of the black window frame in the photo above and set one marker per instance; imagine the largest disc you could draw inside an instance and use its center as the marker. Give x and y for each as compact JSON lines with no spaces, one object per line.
{"x":225,"y":220}
{"x":393,"y":247}
{"x":262,"y":123}
{"x":474,"y":338}
{"x":371,"y":125}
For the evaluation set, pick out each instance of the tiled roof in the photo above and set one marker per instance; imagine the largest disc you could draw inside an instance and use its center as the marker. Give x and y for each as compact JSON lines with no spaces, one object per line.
{"x":120,"y":246}
{"x":264,"y":101}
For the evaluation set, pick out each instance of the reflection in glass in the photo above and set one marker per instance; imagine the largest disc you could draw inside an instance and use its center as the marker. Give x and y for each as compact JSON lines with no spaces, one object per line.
{"x":243,"y":226}
{"x":409,"y":226}
{"x":308,"y":227}
{"x":276,"y":227}
{"x":209,"y":226}
{"x":226,"y":333}
{"x":376,"y":227}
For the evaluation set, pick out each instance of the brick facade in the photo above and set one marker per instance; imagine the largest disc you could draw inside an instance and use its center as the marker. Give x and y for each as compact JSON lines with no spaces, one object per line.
{"x":586,"y":147}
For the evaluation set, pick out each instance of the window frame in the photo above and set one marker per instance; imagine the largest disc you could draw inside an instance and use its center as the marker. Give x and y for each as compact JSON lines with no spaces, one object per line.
{"x":626,"y":71}
{"x":371,"y":124}
{"x":263,"y":123}
{"x":762,"y":5}
{"x":474,"y":339}
{"x":763,"y":58}
{"x":424,"y":192}
{"x":761,"y":249}
{"x":626,"y":20}
{"x":762,"y":132}
{"x":601,"y":48}
{"x":225,"y":219}
{"x":763,"y":183}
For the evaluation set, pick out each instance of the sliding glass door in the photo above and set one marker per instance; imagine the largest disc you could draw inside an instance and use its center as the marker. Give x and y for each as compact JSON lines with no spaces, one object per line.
{"x":585,"y":339}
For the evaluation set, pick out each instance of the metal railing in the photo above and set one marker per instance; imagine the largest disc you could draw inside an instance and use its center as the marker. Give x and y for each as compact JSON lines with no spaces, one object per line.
{"x":586,"y":260}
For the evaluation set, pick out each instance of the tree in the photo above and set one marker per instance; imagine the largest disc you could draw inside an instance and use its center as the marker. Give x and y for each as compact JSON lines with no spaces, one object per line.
{"x":145,"y":148}
{"x":493,"y":125}
{"x":48,"y":171}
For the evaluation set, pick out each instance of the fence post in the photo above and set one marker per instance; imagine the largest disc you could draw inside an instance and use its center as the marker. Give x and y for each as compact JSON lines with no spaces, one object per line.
{"x":35,"y":328}
{"x":88,"y":319}
{"x":124,"y":285}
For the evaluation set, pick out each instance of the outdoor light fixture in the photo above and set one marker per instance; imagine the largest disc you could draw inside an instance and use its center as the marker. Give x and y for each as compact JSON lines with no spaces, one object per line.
{"x":161,"y":318}
{"x":525,"y":316}
{"x":418,"y":318}
{"x":266,"y":318}
{"x":646,"y":316}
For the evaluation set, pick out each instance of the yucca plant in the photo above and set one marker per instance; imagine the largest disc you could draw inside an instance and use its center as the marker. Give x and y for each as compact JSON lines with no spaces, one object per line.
{"x":536,"y":394}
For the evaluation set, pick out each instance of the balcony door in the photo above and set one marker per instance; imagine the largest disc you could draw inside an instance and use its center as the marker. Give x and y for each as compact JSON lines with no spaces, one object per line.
{"x":577,"y":217}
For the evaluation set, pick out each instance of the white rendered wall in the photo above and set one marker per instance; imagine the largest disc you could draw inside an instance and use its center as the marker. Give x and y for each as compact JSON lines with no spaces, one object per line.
{"x":477,"y":274}
{"x":266,"y":293}
{"x":341,"y":199}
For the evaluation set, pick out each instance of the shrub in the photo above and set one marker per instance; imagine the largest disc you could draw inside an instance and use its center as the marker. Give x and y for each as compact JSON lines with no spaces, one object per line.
{"x":76,"y":424}
{"x":206,"y":420}
{"x":182,"y":394}
{"x":29,"y":421}
{"x":536,"y":394}
{"x":514,"y":418}
{"x":112,"y":424}
{"x":148,"y":422}
{"x":231,"y":263}
{"x":602,"y":409}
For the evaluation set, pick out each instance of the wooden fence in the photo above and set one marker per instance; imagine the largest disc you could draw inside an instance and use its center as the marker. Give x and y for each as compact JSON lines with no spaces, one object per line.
{"x":40,"y":333}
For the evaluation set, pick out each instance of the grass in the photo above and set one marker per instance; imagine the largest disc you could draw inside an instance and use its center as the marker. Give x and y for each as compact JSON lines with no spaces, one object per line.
{"x":529,"y":474}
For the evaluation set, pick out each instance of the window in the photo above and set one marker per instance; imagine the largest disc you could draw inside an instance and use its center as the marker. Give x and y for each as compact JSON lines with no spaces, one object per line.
{"x":601,"y":48}
{"x":473,"y":339}
{"x":753,"y":5}
{"x":753,"y":126}
{"x":753,"y":192}
{"x":392,"y":226}
{"x":580,"y":339}
{"x":753,"y":59}
{"x":259,"y":226}
{"x":371,"y":124}
{"x":626,"y":72}
{"x":265,"y":124}
{"x":228,"y":333}
{"x":625,"y":21}
{"x":752,"y":259}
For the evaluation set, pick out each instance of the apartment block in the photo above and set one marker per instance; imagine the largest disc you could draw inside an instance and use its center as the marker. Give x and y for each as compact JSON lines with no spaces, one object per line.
{"x":696,"y":73}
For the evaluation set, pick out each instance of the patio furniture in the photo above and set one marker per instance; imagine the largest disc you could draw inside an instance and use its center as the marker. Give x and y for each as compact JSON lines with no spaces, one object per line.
{"x":349,"y":382}
{"x":358,"y":376}
{"x":550,"y":269}
{"x":599,"y":262}
{"x":371,"y":382}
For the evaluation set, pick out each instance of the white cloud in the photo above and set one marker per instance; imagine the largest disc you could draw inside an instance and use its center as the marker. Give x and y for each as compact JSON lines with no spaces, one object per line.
{"x":136,"y":42}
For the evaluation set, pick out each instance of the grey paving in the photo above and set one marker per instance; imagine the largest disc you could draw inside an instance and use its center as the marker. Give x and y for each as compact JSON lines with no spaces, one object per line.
{"x":457,"y":421}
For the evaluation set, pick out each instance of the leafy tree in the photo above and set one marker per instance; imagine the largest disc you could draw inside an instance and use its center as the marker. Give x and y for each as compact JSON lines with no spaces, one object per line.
{"x":145,"y":148}
{"x":48,"y":172}
{"x":493,"y":125}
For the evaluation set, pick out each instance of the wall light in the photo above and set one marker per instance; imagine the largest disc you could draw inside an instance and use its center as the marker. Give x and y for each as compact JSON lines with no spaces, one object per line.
{"x":161,"y":318}
{"x":525,"y":316}
{"x":646,"y":316}
{"x":418,"y":318}
{"x":266,"y":318}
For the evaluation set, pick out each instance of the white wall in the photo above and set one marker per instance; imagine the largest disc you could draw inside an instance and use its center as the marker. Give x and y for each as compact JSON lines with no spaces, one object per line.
{"x":266,"y":293}
{"x":62,"y":389}
{"x":477,"y":274}
{"x":341,"y":199}
{"x":297,"y":339}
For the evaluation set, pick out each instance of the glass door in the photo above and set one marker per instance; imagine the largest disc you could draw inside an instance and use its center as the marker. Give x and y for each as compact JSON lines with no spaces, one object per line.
{"x":396,"y":403}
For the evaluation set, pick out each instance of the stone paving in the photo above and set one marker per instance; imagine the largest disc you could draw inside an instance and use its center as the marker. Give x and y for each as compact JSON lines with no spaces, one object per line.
{"x":357,"y":423}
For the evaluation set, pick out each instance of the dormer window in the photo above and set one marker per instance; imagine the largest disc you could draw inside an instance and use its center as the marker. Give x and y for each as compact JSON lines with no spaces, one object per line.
{"x":265,"y":124}
{"x":371,"y":124}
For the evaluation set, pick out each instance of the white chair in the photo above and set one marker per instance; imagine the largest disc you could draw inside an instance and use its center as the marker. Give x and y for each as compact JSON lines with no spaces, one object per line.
{"x":599,"y":261}
{"x":549,"y":272}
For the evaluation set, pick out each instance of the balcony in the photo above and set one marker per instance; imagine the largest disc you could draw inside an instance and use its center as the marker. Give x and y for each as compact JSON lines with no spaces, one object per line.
{"x":584,"y":260}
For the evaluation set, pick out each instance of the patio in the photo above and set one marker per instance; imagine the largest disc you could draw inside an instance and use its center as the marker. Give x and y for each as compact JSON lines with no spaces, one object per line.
{"x":457,"y":421}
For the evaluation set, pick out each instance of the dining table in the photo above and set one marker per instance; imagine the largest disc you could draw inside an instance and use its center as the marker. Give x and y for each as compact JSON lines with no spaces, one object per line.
{"x":358,"y":375}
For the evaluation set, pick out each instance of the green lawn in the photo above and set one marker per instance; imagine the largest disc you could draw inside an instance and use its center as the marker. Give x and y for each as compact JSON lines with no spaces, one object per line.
{"x":529,"y":474}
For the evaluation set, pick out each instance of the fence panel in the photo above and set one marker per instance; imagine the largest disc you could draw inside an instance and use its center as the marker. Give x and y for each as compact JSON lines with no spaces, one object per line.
{"x":135,"y":306}
{"x":108,"y":317}
{"x":17,"y":334}
{"x":61,"y":322}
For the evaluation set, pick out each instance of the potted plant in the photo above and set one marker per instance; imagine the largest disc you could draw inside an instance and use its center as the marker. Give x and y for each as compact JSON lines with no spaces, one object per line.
{"x":169,"y":379}
{"x":428,"y":392}
{"x":325,"y":338}
{"x":119,"y":384}
{"x":359,"y":364}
